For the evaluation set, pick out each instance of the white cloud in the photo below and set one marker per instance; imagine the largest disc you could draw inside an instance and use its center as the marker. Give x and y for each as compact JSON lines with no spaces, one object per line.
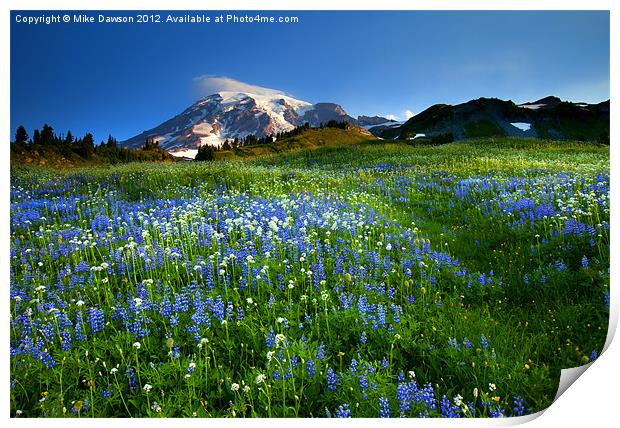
{"x":408,"y":114}
{"x":209,"y":84}
{"x":392,"y":117}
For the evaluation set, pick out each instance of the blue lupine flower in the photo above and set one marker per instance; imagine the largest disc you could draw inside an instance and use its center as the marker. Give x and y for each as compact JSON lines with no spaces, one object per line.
{"x":447,"y":409}
{"x":363,"y":381}
{"x":310,"y":368}
{"x":496,"y":412}
{"x":384,"y":407}
{"x":270,"y":340}
{"x":384,"y":363}
{"x":484,"y":342}
{"x":79,"y":329}
{"x":404,"y":395}
{"x":519,"y":408}
{"x":353,"y":366}
{"x":288,"y":374}
{"x":332,"y":379}
{"x":97,"y":320}
{"x":453,"y":343}
{"x":320,"y":352}
{"x":343,"y":411}
{"x":130,"y":374}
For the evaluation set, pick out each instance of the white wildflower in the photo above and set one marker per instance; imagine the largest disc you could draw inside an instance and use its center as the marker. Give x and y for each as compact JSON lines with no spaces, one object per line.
{"x":458,"y":400}
{"x":280,"y":338}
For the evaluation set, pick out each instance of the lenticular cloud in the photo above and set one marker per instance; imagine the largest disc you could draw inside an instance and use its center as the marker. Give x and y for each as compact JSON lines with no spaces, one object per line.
{"x":210,"y":84}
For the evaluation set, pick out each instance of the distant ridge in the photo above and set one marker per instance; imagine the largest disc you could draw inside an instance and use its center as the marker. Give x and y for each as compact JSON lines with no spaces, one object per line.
{"x":547,"y":118}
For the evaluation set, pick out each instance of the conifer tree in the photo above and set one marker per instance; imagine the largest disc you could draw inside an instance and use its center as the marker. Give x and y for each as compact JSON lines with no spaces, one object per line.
{"x":36,"y":137}
{"x":47,"y":135}
{"x":21,"y":136}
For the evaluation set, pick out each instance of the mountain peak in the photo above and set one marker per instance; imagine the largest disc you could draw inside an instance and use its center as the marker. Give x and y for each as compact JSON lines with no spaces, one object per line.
{"x":551,"y":99}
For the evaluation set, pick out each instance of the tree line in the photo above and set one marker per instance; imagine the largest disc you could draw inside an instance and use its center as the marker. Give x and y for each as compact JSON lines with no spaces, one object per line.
{"x":45,"y":140}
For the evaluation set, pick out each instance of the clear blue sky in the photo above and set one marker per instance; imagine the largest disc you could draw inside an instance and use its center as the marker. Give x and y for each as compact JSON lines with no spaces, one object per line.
{"x":121,"y":79}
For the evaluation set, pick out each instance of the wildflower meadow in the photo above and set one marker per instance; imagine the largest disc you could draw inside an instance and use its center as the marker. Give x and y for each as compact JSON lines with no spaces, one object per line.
{"x":371,"y":280}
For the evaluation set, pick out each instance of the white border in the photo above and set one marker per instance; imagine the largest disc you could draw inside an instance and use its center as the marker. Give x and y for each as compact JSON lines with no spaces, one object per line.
{"x":590,"y":401}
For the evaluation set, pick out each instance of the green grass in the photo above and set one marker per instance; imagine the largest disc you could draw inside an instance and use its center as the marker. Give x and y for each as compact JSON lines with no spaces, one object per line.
{"x":308,"y":140}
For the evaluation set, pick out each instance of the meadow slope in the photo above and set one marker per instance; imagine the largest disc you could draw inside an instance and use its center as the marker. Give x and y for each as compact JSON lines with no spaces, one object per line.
{"x":366,"y":279}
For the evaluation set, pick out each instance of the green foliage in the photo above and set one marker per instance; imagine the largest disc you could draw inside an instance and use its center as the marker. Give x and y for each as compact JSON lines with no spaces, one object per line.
{"x":205,"y":153}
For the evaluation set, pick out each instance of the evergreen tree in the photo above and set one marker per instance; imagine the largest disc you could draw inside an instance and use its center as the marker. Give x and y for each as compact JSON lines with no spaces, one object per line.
{"x":36,"y":137}
{"x":47,"y":135}
{"x":21,"y":136}
{"x":87,"y":146}
{"x":112,"y":143}
{"x":205,"y":153}
{"x":150,"y":143}
{"x":69,"y":138}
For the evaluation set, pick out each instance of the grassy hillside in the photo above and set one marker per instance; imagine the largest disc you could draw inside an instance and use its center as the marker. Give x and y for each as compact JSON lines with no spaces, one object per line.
{"x":310,"y":139}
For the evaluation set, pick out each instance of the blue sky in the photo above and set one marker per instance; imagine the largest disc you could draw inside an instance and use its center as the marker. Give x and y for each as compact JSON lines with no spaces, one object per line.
{"x":121,"y":79}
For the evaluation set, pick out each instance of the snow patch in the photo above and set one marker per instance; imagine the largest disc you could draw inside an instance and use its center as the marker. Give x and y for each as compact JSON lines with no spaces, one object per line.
{"x":186,"y":153}
{"x":212,"y":140}
{"x":532,"y":106}
{"x":163,"y":138}
{"x":203,"y":129}
{"x":523,"y":126}
{"x":387,"y":124}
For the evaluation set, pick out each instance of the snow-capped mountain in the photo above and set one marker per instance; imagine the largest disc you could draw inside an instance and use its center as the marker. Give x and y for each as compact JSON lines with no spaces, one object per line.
{"x":228,"y":115}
